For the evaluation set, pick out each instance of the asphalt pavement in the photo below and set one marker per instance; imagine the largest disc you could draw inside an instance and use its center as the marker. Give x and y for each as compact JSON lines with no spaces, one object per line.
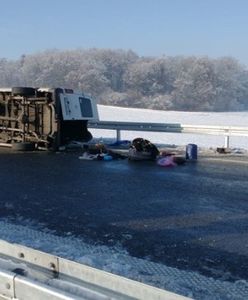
{"x":193,"y":217}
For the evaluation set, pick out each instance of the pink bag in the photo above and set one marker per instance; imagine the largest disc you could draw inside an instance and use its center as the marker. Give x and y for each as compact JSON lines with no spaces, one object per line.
{"x":166,"y":161}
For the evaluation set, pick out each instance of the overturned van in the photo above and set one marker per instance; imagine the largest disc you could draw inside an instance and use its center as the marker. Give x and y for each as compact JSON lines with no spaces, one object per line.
{"x":44,"y":118}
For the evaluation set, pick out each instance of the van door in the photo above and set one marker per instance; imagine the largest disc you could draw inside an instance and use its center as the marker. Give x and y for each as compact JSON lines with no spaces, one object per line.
{"x":78,"y":107}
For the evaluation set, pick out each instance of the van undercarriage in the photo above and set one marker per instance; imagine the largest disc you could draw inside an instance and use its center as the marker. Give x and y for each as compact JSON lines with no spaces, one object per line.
{"x":44,"y":118}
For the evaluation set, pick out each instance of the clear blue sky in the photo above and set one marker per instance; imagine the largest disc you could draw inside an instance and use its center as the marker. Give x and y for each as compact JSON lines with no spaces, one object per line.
{"x":149,"y":27}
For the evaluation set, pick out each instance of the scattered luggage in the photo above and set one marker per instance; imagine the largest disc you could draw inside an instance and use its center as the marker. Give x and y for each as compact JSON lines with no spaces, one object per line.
{"x":191,"y":152}
{"x":166,"y":161}
{"x":139,"y":150}
{"x":223,"y":150}
{"x":100,"y":152}
{"x":170,"y":160}
{"x":179,"y":160}
{"x":95,"y":148}
{"x":103,"y":156}
{"x":120,"y":144}
{"x":142,"y":149}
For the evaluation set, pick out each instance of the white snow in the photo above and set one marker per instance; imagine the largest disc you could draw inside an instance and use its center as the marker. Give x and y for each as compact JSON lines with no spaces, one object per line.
{"x":111,"y":113}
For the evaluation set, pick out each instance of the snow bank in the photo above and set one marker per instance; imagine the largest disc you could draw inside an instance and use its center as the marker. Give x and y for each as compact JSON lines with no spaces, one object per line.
{"x":110,"y":113}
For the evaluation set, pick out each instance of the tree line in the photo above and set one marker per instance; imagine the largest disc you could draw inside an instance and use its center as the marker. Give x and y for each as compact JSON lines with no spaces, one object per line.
{"x":122,"y":78}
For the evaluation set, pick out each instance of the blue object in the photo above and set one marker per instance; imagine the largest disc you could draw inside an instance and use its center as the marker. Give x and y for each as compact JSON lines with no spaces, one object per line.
{"x":122,"y":142}
{"x":107,"y":157}
{"x":191,"y":152}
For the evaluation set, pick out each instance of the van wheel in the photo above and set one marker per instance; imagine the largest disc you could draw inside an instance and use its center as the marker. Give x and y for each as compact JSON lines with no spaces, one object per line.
{"x":23,"y":91}
{"x":23,"y":146}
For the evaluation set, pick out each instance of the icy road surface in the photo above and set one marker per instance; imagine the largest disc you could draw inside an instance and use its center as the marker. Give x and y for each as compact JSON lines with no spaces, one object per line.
{"x":190,"y":218}
{"x":184,"y":229}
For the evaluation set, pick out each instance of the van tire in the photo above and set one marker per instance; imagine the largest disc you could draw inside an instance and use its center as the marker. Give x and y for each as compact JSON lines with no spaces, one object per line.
{"x":23,"y":91}
{"x":23,"y":146}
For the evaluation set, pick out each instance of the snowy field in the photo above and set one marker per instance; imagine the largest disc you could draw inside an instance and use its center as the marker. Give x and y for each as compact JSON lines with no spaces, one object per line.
{"x":110,"y":113}
{"x":116,"y":259}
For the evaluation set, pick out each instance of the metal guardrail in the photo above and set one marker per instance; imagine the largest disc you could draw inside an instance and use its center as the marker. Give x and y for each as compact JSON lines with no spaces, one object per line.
{"x":26,"y":273}
{"x":226,"y":131}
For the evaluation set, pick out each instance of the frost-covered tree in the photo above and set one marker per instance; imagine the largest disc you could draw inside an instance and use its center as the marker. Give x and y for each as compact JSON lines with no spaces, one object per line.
{"x":194,"y":86}
{"x":142,"y":77}
{"x":92,"y":78}
{"x":230,"y":84}
{"x":120,"y":77}
{"x":9,"y":73}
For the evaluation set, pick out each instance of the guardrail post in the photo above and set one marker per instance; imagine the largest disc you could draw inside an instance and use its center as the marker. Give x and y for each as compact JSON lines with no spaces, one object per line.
{"x":118,"y":135}
{"x":227,"y":141}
